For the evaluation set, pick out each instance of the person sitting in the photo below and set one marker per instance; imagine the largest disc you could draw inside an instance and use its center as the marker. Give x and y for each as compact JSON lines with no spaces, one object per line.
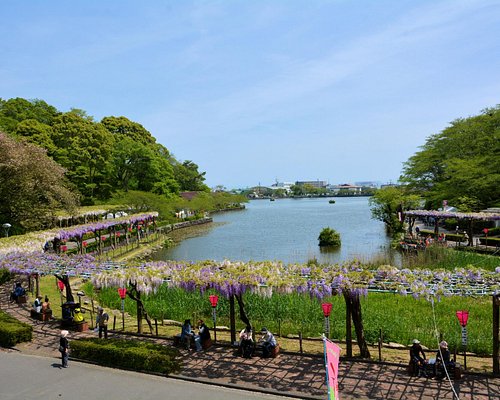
{"x":443,"y":360}
{"x":37,"y":304}
{"x":77,"y":315}
{"x":187,"y":335}
{"x":204,"y":334}
{"x":46,"y":306}
{"x":17,"y":292}
{"x":417,"y":358}
{"x":246,"y":342}
{"x":268,"y":342}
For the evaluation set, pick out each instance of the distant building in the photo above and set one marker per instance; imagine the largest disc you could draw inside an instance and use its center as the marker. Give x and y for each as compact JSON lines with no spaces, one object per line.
{"x":345,"y":187}
{"x":316,"y":184}
{"x":369,"y":184}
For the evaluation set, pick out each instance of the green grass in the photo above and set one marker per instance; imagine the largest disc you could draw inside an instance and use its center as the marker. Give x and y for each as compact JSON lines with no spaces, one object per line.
{"x":401,"y":318}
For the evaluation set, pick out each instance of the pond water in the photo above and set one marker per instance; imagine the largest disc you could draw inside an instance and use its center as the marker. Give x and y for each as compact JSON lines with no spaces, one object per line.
{"x":286,"y":230}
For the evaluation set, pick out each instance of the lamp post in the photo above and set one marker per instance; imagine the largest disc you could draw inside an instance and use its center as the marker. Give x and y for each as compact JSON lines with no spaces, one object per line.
{"x":327,"y":309}
{"x":463,"y":316}
{"x":123,"y":292}
{"x":213,"y":301}
{"x":6,"y":228}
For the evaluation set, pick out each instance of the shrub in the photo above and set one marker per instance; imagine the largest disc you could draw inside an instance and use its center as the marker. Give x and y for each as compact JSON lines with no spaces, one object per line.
{"x":12,"y":331}
{"x":329,"y":237}
{"x":128,"y":354}
{"x":5,"y":276}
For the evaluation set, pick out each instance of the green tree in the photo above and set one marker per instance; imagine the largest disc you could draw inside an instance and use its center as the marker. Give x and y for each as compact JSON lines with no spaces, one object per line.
{"x":84,"y":149}
{"x":37,"y":133}
{"x":124,"y":127}
{"x":329,"y":237}
{"x":32,"y":186}
{"x":388,"y":205}
{"x":13,"y":111}
{"x":189,"y":178}
{"x":462,"y":161}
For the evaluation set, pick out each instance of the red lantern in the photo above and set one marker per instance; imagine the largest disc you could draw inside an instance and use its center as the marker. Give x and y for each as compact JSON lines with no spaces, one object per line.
{"x":213,"y":300}
{"x":117,"y":234}
{"x":103,"y":238}
{"x":485,"y":230}
{"x":84,"y":244}
{"x":327,"y":309}
{"x":60,"y":284}
{"x":64,"y":248}
{"x":122,"y":292}
{"x":139,"y":227}
{"x":463,"y":316}
{"x":130,"y":229}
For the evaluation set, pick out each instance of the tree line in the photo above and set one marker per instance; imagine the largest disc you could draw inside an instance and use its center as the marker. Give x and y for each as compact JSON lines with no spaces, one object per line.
{"x":51,"y":159}
{"x":459,"y":165}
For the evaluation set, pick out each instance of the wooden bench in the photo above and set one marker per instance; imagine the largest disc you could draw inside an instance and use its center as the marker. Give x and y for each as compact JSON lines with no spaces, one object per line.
{"x":21,"y":299}
{"x":41,"y":316}
{"x":274,"y":352}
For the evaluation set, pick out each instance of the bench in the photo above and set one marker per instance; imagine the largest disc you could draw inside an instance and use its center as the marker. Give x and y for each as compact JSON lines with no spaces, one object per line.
{"x":274,"y":352}
{"x":21,"y":299}
{"x":41,"y":316}
{"x":76,"y":326}
{"x":454,"y":370}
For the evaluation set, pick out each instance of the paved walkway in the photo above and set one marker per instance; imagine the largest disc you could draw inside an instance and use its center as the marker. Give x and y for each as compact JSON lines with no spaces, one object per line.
{"x":290,"y":375}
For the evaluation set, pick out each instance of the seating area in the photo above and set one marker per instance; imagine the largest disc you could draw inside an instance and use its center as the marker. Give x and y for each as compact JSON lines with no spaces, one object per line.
{"x":41,"y":316}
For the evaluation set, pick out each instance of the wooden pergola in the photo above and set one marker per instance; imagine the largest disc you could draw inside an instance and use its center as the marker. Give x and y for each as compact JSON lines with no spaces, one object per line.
{"x":440,"y":215}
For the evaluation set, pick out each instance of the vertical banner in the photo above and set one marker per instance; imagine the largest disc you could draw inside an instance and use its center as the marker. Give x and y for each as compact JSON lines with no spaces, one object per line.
{"x":332,"y":355}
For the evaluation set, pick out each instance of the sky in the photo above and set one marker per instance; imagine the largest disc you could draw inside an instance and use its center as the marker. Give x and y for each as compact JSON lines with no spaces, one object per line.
{"x":257,"y":91}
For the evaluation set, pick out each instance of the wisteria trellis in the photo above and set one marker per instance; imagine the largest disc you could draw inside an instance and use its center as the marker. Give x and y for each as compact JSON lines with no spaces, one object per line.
{"x":263,"y":278}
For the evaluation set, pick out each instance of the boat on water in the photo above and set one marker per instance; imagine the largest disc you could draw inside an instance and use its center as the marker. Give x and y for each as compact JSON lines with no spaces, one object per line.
{"x":272,"y":199}
{"x":331,"y":201}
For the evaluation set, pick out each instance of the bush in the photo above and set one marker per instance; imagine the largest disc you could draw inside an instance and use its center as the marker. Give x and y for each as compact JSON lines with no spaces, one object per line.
{"x":129,"y":354}
{"x":5,"y":276}
{"x":12,"y":331}
{"x":490,"y":241}
{"x":329,"y":237}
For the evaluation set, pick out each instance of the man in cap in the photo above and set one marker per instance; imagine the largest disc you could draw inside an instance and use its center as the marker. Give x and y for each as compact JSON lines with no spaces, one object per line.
{"x":443,"y":360}
{"x":417,"y":358}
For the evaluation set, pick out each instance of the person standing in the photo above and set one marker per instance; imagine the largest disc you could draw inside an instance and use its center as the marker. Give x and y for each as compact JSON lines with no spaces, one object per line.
{"x":64,"y":348}
{"x":102,"y":320}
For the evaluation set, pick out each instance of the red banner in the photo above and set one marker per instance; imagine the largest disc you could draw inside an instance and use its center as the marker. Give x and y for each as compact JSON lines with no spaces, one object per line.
{"x":332,"y":355}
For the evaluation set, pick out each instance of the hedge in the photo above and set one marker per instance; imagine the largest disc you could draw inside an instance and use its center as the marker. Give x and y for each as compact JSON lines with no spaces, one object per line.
{"x":12,"y":331}
{"x":5,"y":275}
{"x":490,"y":241}
{"x":128,"y":354}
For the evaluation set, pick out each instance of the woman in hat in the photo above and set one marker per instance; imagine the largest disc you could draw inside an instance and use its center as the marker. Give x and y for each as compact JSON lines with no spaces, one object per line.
{"x":64,"y":348}
{"x":442,"y":359}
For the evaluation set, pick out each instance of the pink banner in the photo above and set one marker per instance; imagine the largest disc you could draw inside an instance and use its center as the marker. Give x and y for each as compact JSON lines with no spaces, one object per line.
{"x":332,"y":355}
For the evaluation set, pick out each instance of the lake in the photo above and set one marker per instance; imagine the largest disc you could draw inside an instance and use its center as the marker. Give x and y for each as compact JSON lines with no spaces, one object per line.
{"x":286,"y":230}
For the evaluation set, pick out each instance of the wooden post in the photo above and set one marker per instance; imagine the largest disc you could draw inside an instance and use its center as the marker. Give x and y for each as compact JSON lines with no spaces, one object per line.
{"x":37,"y":284}
{"x":348,"y":329}
{"x":114,"y":322}
{"x":496,"y":359}
{"x":300,"y":343}
{"x":156,"y":326}
{"x":380,"y":345}
{"x":232,"y":320}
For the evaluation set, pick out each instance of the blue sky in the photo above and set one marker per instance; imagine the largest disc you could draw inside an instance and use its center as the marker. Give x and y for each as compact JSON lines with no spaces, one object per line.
{"x":254,"y":91}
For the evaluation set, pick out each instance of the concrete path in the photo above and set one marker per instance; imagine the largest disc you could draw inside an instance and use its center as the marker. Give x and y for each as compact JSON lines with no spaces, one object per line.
{"x":291,"y":375}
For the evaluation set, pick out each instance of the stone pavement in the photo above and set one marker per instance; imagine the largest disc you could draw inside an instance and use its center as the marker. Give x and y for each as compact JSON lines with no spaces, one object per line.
{"x":290,"y":375}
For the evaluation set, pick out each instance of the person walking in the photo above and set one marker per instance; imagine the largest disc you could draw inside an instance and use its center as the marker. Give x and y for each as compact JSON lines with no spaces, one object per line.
{"x":64,"y":348}
{"x":102,"y":320}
